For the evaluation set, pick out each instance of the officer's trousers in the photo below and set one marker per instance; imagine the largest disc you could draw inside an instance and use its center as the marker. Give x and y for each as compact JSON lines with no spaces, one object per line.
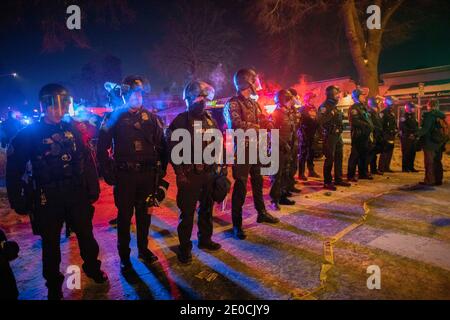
{"x":197,"y":188}
{"x":408,"y":153}
{"x":434,"y":171}
{"x":333,"y":150}
{"x":240,"y":176}
{"x":68,"y":204}
{"x":306,"y":155}
{"x":291,"y":166}
{"x":358,"y":157}
{"x":131,"y":192}
{"x":386,"y":157}
{"x":279,"y":181}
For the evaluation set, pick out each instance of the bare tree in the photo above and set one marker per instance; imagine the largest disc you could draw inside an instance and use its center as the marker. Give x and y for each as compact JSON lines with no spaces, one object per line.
{"x":364,"y":44}
{"x":198,"y":43}
{"x":50,"y":18}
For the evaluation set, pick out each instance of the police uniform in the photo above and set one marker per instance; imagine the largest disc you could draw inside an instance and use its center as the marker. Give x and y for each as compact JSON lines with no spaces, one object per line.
{"x":433,"y":146}
{"x":308,"y":130}
{"x":330,"y":120}
{"x":389,"y":131}
{"x":292,"y":166}
{"x":195,"y":184}
{"x":65,"y":183}
{"x":378,"y":138}
{"x":245,"y":113}
{"x":408,"y":132}
{"x":283,"y":121}
{"x":362,"y":140}
{"x":139,"y":161}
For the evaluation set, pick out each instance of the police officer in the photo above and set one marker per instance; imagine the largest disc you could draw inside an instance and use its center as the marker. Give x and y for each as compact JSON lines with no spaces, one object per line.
{"x":390,"y":131}
{"x":330,"y":120}
{"x":308,"y":129}
{"x":282,"y":120}
{"x":139,"y":161}
{"x":362,"y":138}
{"x":408,"y":128}
{"x":292,"y":165}
{"x":374,"y":113}
{"x":243,"y":112}
{"x":433,"y":136}
{"x":195,"y":181}
{"x":65,"y":184}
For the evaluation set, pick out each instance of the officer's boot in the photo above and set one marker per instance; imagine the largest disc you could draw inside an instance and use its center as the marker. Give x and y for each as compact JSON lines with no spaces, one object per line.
{"x":147,"y":256}
{"x":237,"y":226}
{"x":125,"y":262}
{"x":312,"y":173}
{"x":264,"y":216}
{"x":287,"y":202}
{"x":96,"y":274}
{"x":184,"y":255}
{"x":54,"y":287}
{"x":209,"y":245}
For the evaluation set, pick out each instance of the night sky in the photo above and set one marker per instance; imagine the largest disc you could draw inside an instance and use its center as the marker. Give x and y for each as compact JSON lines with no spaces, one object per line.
{"x":22,"y":52}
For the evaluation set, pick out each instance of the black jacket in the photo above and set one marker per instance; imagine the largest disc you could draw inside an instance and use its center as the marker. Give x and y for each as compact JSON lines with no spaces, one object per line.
{"x":56,"y":153}
{"x":132,"y":137}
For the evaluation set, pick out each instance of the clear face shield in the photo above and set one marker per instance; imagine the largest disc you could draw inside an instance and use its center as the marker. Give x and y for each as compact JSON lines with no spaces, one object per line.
{"x":134,"y":94}
{"x":297,"y":103}
{"x":199,"y":101}
{"x":56,"y":106}
{"x":255,"y":86}
{"x":207,"y":92}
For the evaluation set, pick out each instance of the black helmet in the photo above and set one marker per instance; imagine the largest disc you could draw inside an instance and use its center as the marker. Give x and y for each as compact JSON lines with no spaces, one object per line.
{"x":222,"y":186}
{"x":246,"y":78}
{"x":356,"y":94}
{"x":196,"y":89}
{"x":409,"y":106}
{"x":330,"y":90}
{"x":135,"y":83}
{"x":283,"y":97}
{"x":55,"y":95}
{"x":372,"y":102}
{"x":388,"y":101}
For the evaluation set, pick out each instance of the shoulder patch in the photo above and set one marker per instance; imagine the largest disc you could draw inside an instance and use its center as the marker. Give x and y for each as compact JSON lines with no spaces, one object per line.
{"x":322,"y":109}
{"x":354,"y":112}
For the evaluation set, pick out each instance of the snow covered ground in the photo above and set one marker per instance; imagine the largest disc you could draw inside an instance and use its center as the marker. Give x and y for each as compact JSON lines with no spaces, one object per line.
{"x":406,"y":234}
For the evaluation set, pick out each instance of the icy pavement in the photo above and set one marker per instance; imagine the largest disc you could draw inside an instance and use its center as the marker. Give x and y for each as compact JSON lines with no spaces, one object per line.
{"x":406,"y":234}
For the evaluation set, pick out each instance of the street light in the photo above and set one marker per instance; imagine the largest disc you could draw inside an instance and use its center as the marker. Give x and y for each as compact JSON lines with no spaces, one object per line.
{"x":14,"y":75}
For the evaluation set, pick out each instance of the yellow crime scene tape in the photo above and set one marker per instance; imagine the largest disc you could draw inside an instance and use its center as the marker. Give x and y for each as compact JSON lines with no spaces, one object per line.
{"x":328,"y":256}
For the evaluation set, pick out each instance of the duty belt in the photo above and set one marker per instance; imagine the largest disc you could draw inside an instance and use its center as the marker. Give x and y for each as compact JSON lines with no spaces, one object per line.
{"x":135,"y":166}
{"x":60,"y":184}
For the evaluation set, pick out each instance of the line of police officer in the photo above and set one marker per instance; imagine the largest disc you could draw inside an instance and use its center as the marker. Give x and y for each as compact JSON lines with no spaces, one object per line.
{"x":51,"y":174}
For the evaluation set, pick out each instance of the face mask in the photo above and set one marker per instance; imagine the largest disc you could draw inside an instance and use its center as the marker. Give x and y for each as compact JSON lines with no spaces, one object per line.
{"x":197,"y":108}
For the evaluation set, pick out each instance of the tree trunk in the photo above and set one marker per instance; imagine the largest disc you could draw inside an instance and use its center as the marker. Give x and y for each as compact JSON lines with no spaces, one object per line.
{"x":365,"y":50}
{"x":365,"y":53}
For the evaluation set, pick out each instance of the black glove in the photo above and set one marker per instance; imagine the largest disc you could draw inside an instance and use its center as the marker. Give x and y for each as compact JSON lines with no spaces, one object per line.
{"x":20,"y":207}
{"x":9,"y":250}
